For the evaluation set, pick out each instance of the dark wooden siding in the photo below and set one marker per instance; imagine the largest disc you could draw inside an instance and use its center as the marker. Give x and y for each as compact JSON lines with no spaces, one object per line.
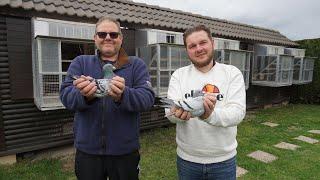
{"x":20,"y":58}
{"x":259,"y":96}
{"x":3,"y":69}
{"x":23,"y":127}
{"x":153,"y":118}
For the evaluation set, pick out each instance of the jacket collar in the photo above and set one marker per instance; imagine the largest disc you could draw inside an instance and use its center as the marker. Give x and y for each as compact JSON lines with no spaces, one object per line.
{"x":122,"y":61}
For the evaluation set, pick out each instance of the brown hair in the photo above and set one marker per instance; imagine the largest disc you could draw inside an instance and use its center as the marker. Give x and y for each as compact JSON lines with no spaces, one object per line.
{"x":108,"y":19}
{"x":197,"y":28}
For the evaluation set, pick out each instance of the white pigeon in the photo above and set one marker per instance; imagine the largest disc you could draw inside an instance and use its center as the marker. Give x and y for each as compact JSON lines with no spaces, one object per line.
{"x":193,"y":104}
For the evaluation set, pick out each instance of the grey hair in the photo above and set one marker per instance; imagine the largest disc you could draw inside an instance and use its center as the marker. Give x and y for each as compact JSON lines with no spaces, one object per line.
{"x":108,"y":19}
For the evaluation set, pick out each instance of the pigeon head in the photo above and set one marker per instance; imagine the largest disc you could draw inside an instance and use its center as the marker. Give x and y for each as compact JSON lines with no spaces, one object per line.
{"x":108,"y":71}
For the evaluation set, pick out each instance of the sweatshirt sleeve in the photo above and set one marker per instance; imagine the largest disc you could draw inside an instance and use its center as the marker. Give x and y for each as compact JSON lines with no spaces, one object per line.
{"x":70,"y":96}
{"x":233,"y":111}
{"x":174,"y":93}
{"x":139,"y":97}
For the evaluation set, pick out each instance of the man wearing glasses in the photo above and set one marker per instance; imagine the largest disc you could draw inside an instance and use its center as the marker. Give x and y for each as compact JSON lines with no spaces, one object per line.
{"x":106,"y":129}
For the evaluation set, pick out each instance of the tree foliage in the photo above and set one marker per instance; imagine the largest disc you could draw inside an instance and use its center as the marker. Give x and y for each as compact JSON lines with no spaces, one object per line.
{"x":310,"y":93}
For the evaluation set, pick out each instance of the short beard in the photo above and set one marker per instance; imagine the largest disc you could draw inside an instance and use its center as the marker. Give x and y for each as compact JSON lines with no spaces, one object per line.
{"x":109,"y":54}
{"x":203,"y":64}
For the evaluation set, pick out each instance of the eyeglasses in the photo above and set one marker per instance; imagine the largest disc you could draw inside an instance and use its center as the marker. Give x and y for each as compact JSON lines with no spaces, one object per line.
{"x":103,"y":35}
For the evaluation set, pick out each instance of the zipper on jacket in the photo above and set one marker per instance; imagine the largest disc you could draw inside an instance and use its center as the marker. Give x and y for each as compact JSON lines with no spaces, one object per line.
{"x":103,"y":137}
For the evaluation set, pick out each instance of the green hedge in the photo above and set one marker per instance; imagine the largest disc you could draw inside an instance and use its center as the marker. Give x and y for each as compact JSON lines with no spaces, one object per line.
{"x":310,"y":93}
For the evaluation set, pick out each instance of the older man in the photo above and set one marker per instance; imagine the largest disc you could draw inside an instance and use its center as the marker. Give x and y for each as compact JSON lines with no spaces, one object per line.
{"x":106,"y":129}
{"x":206,"y":144}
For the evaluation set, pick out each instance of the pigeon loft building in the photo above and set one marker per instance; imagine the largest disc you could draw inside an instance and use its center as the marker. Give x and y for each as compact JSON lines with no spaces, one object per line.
{"x":271,"y":67}
{"x":163,"y":52}
{"x":302,"y":66}
{"x":39,"y":39}
{"x":228,"y":52}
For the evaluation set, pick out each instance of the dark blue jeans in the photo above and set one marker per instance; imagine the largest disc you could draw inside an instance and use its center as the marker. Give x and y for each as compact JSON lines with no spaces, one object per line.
{"x":225,"y":170}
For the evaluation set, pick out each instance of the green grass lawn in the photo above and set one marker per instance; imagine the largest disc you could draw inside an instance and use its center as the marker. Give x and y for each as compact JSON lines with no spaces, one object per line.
{"x":158,"y":151}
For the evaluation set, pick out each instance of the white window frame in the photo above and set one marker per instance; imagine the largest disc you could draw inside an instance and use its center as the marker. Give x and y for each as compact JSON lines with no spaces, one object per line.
{"x":38,"y":73}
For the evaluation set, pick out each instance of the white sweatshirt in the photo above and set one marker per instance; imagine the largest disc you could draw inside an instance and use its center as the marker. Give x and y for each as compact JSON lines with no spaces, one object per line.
{"x":214,"y":139}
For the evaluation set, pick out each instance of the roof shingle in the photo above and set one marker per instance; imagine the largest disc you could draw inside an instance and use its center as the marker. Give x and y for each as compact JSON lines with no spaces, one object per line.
{"x":132,"y":12}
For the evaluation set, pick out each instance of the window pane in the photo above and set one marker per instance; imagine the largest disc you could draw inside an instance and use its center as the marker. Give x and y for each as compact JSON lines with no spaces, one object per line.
{"x":238,"y":59}
{"x":296,"y":69}
{"x":226,"y":59}
{"x":217,"y":55}
{"x":286,"y":62}
{"x":163,"y":57}
{"x":175,"y":58}
{"x":154,"y":56}
{"x":309,"y":63}
{"x":49,"y":55}
{"x":266,"y":66}
{"x":70,"y":50}
{"x":170,"y":38}
{"x":184,"y":57}
{"x":164,"y":78}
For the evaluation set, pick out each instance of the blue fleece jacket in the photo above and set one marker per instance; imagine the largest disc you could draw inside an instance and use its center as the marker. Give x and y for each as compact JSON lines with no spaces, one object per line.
{"x":102,"y":126}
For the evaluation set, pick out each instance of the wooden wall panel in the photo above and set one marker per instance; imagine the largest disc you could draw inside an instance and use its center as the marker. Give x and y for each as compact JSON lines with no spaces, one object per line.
{"x":20,"y":57}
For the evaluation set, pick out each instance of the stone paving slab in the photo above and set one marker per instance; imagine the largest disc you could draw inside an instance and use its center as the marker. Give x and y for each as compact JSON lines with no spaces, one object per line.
{"x":306,"y":139}
{"x":314,"y":131}
{"x":241,"y":171}
{"x":270,"y":124}
{"x":284,"y":145}
{"x":262,"y":156}
{"x":8,"y":160}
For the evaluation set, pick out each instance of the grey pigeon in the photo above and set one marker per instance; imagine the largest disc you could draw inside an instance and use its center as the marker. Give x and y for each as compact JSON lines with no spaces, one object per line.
{"x":103,"y":85}
{"x":193,"y":104}
{"x":108,"y":71}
